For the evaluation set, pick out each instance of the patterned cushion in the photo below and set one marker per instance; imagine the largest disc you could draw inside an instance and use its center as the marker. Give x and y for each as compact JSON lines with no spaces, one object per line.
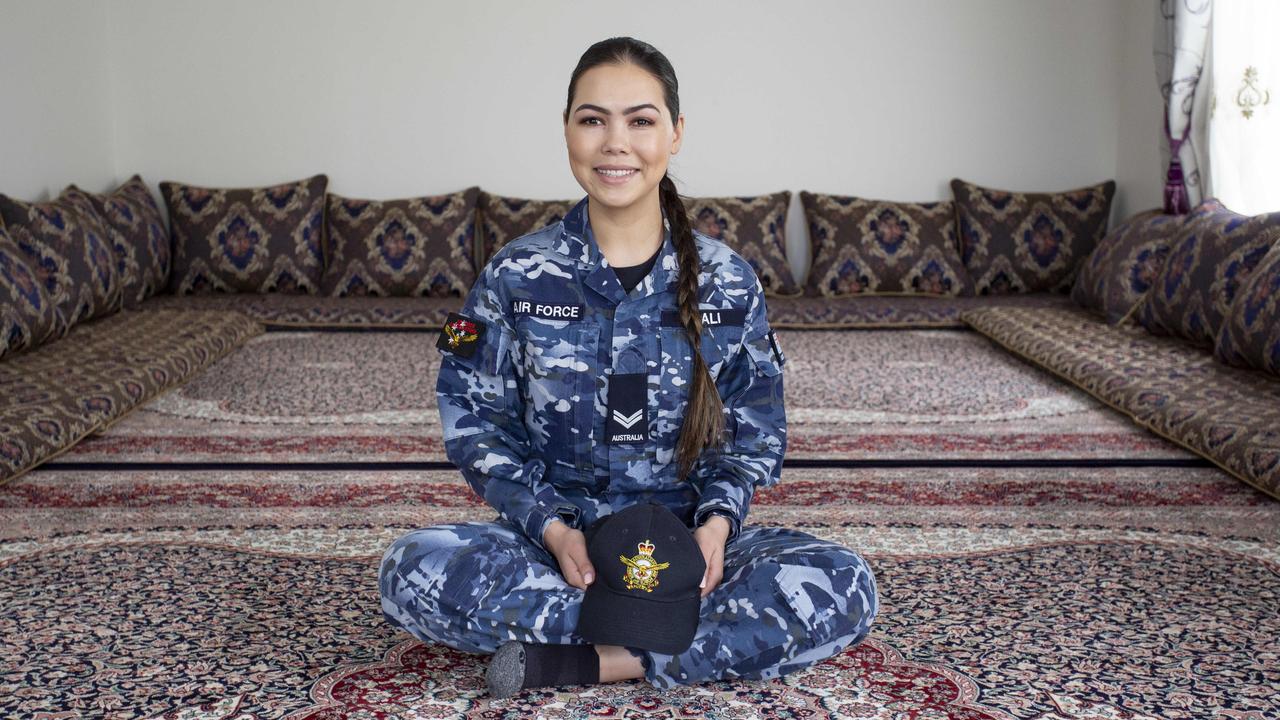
{"x":1026,"y":242}
{"x":398,"y":248}
{"x":141,"y":241}
{"x":1250,"y":335}
{"x":60,"y":392}
{"x":247,"y":240}
{"x":26,"y":314}
{"x":1208,"y":261}
{"x":892,"y":311}
{"x":503,"y":219}
{"x":1119,"y":272}
{"x":755,"y":228}
{"x":1164,"y":384}
{"x":304,"y":311}
{"x":877,"y":247}
{"x":70,"y":253}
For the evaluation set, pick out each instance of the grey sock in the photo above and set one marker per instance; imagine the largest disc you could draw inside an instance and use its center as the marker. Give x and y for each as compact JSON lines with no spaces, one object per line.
{"x":516,"y":666}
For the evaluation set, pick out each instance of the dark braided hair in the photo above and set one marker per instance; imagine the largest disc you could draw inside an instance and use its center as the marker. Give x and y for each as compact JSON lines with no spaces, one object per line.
{"x":704,"y":420}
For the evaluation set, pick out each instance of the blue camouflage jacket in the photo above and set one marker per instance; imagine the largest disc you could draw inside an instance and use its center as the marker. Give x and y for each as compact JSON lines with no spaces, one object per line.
{"x":562,"y":396}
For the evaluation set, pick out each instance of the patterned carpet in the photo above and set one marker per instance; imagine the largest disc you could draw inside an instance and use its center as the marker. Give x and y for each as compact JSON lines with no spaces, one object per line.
{"x":369,"y":397}
{"x":1010,"y":593}
{"x":1106,"y":589}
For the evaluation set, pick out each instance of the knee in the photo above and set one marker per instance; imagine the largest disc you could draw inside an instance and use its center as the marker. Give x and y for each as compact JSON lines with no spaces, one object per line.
{"x":835,"y":597}
{"x":413,"y":553}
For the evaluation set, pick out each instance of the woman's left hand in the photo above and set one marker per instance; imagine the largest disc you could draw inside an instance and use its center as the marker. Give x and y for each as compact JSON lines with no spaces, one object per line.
{"x":711,"y":537}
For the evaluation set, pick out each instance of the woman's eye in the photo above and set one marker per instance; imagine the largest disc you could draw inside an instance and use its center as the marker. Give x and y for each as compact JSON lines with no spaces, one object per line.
{"x":646,"y":121}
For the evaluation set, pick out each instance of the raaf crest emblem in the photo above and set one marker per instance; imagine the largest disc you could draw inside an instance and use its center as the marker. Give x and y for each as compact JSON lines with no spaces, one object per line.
{"x":642,"y":570}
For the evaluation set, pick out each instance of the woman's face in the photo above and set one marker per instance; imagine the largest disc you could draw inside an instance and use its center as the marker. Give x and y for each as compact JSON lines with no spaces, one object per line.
{"x":619,"y":120}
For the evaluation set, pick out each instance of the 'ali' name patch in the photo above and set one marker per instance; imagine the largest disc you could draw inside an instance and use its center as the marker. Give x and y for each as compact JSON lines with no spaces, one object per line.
{"x":710,"y":318}
{"x":460,"y":335}
{"x":547,"y":311}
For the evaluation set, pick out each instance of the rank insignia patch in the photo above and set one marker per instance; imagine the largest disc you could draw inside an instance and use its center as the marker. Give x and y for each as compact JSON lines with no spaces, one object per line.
{"x":642,"y":570}
{"x":460,"y":335}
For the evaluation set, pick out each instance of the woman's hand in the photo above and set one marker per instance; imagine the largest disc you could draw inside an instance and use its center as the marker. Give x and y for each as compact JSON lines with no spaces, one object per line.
{"x":570,"y":548}
{"x":711,"y":538}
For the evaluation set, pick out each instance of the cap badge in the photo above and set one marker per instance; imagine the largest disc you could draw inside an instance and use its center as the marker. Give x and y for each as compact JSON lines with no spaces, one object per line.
{"x":642,"y":570}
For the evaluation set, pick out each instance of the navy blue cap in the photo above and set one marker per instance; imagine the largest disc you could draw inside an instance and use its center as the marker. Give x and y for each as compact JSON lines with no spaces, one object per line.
{"x":648,"y":568}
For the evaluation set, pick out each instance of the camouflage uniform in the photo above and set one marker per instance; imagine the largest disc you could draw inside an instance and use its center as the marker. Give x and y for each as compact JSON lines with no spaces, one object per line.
{"x":525,"y":400}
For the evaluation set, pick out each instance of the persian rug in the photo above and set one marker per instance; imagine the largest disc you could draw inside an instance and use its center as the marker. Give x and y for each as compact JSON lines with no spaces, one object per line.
{"x":851,"y":395}
{"x":1046,"y":593}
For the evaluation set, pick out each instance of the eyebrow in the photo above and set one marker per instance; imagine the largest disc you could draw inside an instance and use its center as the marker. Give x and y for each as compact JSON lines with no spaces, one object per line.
{"x":628,"y":111}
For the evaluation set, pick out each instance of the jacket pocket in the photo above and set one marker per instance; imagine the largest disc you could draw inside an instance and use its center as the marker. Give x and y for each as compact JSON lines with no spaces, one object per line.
{"x":558,"y":385}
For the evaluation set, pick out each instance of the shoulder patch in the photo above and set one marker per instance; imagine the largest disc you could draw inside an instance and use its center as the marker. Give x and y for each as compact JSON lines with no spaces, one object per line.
{"x":460,"y":335}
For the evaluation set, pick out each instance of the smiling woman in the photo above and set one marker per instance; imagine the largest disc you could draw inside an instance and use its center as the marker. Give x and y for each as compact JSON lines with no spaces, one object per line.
{"x":617,"y":359}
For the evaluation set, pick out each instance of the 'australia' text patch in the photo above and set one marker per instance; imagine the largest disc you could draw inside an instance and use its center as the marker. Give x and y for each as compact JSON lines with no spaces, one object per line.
{"x":547,"y":311}
{"x":628,"y":409}
{"x":710,"y":318}
{"x":460,"y":335}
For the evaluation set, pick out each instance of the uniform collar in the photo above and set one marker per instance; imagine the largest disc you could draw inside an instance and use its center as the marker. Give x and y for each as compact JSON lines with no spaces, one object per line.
{"x":581,"y":245}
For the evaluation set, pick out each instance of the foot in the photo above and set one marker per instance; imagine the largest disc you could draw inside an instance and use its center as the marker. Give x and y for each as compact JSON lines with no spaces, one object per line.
{"x":506,"y":670}
{"x":516,"y":666}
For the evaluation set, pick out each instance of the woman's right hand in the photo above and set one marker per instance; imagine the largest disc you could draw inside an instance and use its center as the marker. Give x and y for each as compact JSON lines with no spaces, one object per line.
{"x":569,"y":546}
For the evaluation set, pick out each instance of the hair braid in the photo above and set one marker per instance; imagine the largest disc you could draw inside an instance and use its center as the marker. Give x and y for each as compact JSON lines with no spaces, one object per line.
{"x":704,"y":422}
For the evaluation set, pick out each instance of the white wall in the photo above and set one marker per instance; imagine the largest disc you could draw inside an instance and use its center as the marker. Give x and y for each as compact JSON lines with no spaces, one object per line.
{"x":392,"y":98}
{"x":55,"y":97}
{"x":1140,"y":168}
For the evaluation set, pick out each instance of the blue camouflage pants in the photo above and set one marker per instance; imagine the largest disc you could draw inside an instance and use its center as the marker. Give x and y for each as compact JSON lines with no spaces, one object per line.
{"x":787,"y":600}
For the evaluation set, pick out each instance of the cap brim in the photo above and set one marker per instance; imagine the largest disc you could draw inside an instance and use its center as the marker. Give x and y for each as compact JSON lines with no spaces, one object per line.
{"x":611,"y":618}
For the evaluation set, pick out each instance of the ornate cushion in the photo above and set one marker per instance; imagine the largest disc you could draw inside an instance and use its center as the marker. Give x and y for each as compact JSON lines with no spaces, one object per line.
{"x":71,"y":255}
{"x":1250,"y":335}
{"x":503,"y":219}
{"x":1027,"y":242}
{"x":247,"y":240}
{"x":1208,"y":262}
{"x":1119,"y":272}
{"x":755,"y":228}
{"x":399,"y":248}
{"x":877,"y":247}
{"x":26,"y":314}
{"x":58,"y":393}
{"x":1169,"y":386}
{"x":141,"y":241}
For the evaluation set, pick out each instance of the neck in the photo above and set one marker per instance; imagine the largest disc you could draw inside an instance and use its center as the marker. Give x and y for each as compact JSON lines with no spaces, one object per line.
{"x":630,"y":235}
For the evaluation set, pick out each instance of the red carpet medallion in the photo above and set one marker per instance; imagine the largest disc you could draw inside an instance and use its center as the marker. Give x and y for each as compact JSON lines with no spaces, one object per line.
{"x":888,"y":394}
{"x":1030,"y":593}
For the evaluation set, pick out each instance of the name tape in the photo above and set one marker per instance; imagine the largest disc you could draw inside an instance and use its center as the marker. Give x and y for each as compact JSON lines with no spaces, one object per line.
{"x":547,"y":311}
{"x":734,"y":317}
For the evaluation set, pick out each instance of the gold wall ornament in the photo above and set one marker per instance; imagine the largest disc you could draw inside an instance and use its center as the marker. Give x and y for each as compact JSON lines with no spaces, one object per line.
{"x":1249,"y":96}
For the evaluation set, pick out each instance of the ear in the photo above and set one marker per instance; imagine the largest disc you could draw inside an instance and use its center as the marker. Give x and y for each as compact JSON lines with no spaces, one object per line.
{"x":678,"y":136}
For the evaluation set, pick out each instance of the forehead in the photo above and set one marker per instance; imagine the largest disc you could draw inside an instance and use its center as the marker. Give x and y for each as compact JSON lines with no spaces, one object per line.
{"x":618,"y":86}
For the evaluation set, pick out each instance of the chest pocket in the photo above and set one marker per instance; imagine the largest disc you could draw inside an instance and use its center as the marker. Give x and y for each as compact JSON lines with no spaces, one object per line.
{"x":720,"y":344}
{"x":557,"y":380}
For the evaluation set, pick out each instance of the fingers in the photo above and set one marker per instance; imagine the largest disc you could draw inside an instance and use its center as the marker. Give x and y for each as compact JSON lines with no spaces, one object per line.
{"x":576,"y":566}
{"x":713,"y":575}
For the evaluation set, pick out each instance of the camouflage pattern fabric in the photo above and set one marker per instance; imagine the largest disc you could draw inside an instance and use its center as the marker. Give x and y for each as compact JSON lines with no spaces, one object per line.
{"x":562,"y":397}
{"x":788,"y":600}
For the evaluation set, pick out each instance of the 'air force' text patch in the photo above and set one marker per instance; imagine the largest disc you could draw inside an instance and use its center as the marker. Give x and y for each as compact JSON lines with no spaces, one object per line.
{"x":460,"y":335}
{"x":546,"y":310}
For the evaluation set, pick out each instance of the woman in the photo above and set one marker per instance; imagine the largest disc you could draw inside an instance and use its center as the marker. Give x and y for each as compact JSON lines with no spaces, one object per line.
{"x":613,"y":358}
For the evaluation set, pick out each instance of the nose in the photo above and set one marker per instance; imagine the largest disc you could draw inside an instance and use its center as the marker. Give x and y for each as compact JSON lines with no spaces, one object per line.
{"x":616,"y":139}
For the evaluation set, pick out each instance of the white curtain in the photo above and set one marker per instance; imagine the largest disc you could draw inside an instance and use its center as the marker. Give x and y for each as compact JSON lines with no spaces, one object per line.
{"x":1243,"y":165}
{"x":1181,"y":45}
